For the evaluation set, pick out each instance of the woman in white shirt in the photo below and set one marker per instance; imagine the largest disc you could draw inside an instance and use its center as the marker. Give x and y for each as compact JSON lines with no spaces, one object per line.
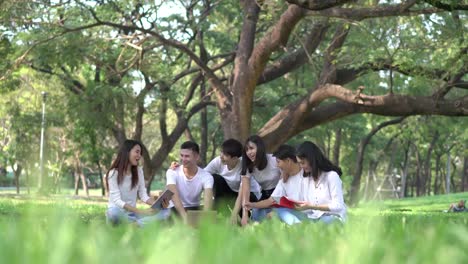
{"x":260,"y":166}
{"x":125,"y":181}
{"x":322,"y":192}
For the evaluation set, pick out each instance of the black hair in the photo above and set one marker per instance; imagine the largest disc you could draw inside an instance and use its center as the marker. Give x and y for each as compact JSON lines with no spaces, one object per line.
{"x":190,"y":145}
{"x":121,"y":162}
{"x":261,"y":160}
{"x":285,"y":152}
{"x":317,"y":161}
{"x":232,"y":147}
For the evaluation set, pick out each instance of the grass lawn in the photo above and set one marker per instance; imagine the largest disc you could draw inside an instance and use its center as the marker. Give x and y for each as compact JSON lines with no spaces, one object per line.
{"x":70,"y":230}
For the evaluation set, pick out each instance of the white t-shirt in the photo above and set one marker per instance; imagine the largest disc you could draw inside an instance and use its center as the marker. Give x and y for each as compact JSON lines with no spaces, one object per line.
{"x":268,"y":177}
{"x":122,"y":194}
{"x":189,"y":189}
{"x":328,"y":191}
{"x":291,"y":189}
{"x":232,"y":177}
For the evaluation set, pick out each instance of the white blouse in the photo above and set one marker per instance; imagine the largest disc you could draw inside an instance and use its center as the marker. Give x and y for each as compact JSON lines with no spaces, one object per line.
{"x":327,"y":191}
{"x":122,"y":194}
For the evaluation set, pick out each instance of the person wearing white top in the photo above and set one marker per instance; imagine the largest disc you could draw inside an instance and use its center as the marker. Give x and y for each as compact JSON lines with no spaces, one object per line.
{"x":188,"y":181}
{"x":289,"y":185}
{"x":226,"y":170}
{"x":125,"y":181}
{"x":322,"y":192}
{"x":258,"y":165}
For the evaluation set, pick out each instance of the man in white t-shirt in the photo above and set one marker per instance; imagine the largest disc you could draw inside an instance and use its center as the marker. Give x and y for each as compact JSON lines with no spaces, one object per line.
{"x":289,"y":185}
{"x":188,"y":181}
{"x":226,"y":169}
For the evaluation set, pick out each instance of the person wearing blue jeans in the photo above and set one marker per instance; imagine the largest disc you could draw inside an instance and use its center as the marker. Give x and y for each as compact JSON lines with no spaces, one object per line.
{"x":116,"y":216}
{"x":289,"y":185}
{"x":125,"y":181}
{"x":322,"y":189}
{"x":292,"y":216}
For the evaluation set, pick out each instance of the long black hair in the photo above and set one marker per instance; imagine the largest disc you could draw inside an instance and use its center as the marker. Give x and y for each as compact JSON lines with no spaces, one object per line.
{"x":317,"y":161}
{"x":261,"y":160}
{"x":121,"y":163}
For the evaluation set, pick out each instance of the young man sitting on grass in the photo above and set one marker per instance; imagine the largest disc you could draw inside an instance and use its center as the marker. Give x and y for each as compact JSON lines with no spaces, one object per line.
{"x":188,"y":181}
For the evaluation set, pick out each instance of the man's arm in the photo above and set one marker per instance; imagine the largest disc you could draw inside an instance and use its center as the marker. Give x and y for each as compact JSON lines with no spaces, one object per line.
{"x":208,"y":199}
{"x":176,"y":200}
{"x":262,"y":204}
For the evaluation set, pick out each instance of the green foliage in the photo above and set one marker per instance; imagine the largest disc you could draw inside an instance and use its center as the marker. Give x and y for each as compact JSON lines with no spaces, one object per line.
{"x":75,"y":232}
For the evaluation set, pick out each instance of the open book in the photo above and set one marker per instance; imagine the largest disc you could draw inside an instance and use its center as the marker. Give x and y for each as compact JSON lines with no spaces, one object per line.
{"x":284,"y":201}
{"x":167,"y":194}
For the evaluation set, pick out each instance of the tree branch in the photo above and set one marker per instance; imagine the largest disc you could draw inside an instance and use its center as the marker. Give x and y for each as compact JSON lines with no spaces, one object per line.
{"x":379,"y":11}
{"x":295,"y":59}
{"x":447,"y":7}
{"x":317,"y":4}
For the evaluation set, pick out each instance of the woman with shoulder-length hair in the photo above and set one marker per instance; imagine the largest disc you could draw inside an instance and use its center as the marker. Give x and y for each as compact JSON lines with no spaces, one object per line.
{"x":260,"y":166}
{"x":125,"y":181}
{"x":322,"y":190}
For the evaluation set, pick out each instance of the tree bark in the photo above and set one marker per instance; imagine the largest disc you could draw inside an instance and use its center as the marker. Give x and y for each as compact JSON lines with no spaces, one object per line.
{"x":337,"y":146}
{"x":17,"y":174}
{"x":403,"y":189}
{"x":418,"y":172}
{"x":79,"y":175}
{"x":465,"y":174}
{"x":427,"y":164}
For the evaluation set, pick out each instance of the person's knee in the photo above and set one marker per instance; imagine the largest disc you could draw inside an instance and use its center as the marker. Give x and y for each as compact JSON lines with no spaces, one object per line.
{"x":287,"y":217}
{"x":114,"y":216}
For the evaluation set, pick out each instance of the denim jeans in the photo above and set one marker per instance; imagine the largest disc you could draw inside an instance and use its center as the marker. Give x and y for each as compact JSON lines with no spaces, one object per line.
{"x":291,"y":217}
{"x":259,"y":214}
{"x":116,"y":215}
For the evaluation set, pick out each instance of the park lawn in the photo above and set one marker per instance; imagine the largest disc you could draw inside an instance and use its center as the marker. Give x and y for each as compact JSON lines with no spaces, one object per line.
{"x":57,"y":230}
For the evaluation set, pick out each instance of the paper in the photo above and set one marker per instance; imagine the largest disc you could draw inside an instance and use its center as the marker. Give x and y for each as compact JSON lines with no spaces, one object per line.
{"x":284,"y":202}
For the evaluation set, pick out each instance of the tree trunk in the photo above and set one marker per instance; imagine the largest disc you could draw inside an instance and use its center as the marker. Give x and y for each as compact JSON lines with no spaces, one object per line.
{"x":427,"y":165}
{"x":447,"y":176}
{"x":102,"y":176}
{"x":17,"y":174}
{"x":464,"y":174}
{"x":437,"y":175}
{"x":403,"y":190}
{"x":80,"y":175}
{"x":418,"y":172}
{"x":204,"y":127}
{"x":356,"y":183}
{"x":337,"y":146}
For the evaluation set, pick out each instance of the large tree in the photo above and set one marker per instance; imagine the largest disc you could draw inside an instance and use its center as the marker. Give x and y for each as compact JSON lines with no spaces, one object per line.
{"x":344,"y":41}
{"x":323,"y":52}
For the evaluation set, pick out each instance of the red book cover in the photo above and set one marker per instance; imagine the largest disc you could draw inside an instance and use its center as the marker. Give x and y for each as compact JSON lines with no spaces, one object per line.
{"x":285,"y":202}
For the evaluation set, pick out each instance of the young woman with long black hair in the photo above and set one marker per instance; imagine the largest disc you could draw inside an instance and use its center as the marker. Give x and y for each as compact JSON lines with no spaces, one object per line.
{"x":125,"y":182}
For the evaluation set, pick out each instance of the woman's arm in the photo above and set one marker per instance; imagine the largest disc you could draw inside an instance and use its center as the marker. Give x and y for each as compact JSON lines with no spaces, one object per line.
{"x":245,"y":190}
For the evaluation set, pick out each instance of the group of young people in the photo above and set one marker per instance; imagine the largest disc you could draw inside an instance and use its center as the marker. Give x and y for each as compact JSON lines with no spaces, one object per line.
{"x":244,"y":179}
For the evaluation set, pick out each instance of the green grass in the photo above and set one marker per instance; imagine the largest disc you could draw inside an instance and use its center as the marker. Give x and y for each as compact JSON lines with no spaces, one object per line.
{"x":57,"y":230}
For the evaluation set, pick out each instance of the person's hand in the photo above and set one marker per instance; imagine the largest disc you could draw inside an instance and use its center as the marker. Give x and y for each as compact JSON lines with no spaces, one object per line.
{"x":301,"y":206}
{"x":244,"y":220}
{"x":234,"y":219}
{"x":248,"y":205}
{"x":165,"y":203}
{"x":146,"y":212}
{"x":174,"y":165}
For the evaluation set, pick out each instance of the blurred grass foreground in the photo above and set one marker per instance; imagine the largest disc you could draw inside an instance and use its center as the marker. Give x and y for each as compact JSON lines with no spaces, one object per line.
{"x":59,"y":230}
